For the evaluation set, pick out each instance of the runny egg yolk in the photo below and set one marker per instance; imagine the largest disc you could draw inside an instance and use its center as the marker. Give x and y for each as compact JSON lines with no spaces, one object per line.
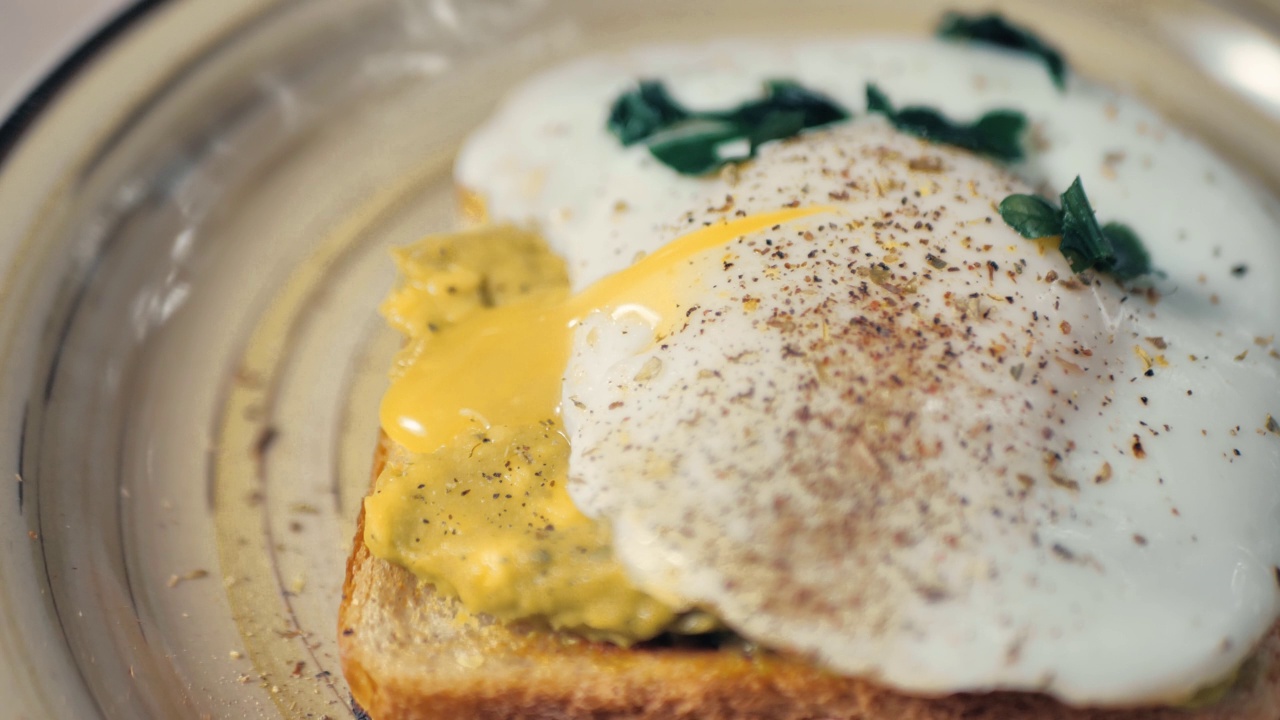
{"x":504,"y":365}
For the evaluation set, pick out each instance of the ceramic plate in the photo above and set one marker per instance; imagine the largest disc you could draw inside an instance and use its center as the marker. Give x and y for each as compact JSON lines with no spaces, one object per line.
{"x":196,"y":213}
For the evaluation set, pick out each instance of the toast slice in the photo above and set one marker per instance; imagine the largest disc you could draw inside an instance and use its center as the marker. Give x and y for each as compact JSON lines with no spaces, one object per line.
{"x":411,"y":654}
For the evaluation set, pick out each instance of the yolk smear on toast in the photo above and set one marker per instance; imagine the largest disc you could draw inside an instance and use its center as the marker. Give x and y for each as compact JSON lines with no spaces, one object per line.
{"x":476,"y":503}
{"x":486,"y":516}
{"x":487,"y":519}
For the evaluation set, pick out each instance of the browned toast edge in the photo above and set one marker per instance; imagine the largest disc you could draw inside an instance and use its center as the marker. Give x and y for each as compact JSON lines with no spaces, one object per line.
{"x":554,"y":676}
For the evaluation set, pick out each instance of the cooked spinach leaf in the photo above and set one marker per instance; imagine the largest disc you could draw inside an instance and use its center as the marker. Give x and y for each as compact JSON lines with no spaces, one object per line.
{"x":997,"y":134}
{"x":696,"y":143}
{"x":644,"y":111}
{"x":878,"y":102}
{"x":786,"y":96}
{"x":992,"y":29}
{"x":695,"y":147}
{"x":1113,"y":249}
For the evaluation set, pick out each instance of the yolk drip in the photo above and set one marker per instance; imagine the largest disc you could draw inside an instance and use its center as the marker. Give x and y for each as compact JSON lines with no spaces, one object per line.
{"x":504,"y":364}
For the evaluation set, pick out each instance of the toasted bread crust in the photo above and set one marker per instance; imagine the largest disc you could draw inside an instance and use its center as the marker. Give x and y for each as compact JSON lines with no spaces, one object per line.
{"x":410,"y":654}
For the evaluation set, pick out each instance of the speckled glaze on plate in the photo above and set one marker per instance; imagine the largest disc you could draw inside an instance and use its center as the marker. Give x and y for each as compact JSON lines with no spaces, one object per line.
{"x":196,"y":218}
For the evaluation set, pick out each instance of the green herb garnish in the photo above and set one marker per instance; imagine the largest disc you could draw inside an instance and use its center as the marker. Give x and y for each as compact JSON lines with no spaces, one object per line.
{"x":1131,"y":258}
{"x":1083,"y":242}
{"x":992,"y":29}
{"x":696,"y":143}
{"x":1114,"y":248}
{"x":997,"y":134}
{"x":1032,"y":216}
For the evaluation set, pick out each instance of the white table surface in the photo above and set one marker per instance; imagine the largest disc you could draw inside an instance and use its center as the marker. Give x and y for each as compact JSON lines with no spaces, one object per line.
{"x":35,"y":35}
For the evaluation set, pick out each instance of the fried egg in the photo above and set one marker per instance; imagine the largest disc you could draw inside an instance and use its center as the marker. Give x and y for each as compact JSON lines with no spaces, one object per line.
{"x":891,"y":434}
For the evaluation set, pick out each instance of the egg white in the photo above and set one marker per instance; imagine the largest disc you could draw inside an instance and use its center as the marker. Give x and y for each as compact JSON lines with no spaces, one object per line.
{"x":813,"y":458}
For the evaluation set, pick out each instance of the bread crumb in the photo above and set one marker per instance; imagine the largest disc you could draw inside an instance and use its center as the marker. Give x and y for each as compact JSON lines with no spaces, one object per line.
{"x":176,"y":580}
